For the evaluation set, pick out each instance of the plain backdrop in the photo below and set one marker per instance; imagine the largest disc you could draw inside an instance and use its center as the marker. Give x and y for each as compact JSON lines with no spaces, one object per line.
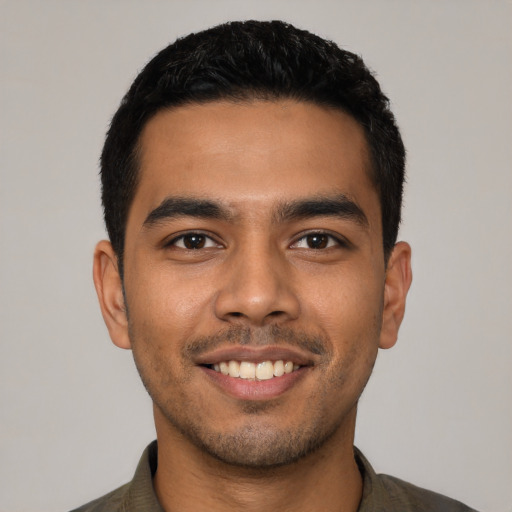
{"x":74,"y":417}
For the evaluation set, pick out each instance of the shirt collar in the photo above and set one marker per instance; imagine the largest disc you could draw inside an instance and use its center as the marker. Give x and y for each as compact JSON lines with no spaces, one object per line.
{"x":141,"y":494}
{"x":375,"y":498}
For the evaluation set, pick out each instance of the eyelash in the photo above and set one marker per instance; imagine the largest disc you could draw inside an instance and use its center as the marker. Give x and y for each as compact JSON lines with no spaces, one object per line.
{"x":332,"y":241}
{"x":174,"y":241}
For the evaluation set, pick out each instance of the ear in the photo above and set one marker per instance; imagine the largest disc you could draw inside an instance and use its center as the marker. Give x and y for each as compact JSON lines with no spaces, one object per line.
{"x":109,"y":288}
{"x":396,"y":286}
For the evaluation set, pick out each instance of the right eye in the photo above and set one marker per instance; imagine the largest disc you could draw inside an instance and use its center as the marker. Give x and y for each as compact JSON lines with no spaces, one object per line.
{"x":192,"y":242}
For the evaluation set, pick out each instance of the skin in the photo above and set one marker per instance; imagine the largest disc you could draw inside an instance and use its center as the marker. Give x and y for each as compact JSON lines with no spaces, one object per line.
{"x":316,"y":284}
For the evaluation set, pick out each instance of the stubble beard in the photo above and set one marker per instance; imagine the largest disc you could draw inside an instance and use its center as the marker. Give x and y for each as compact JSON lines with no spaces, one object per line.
{"x":257,"y":444}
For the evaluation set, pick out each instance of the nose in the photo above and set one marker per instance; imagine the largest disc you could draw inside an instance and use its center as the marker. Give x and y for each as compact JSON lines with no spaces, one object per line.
{"x":257,"y":289}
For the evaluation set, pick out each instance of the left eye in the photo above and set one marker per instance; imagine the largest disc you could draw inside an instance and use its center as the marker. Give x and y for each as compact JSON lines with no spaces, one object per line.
{"x":316,"y":241}
{"x":193,"y":241}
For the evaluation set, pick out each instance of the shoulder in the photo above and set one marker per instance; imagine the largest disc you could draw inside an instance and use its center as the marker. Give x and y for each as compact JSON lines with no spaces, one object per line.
{"x":135,"y":495}
{"x":410,"y":497}
{"x":111,"y":502}
{"x":384,"y":493}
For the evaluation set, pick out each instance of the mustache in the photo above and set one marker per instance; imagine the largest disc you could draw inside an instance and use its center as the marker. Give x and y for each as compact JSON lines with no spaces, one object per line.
{"x":257,"y":337}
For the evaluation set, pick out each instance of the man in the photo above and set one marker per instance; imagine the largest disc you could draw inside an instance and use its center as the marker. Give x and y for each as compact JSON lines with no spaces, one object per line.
{"x":252,"y":181}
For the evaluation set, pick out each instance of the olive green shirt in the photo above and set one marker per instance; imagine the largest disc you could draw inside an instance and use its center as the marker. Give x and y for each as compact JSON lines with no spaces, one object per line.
{"x":381,"y":493}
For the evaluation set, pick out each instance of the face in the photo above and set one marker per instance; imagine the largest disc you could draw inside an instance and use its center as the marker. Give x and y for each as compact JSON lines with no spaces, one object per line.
{"x":256,"y":292}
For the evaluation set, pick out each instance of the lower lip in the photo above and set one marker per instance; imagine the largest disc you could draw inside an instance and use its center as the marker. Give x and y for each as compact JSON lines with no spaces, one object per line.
{"x":245,"y":389}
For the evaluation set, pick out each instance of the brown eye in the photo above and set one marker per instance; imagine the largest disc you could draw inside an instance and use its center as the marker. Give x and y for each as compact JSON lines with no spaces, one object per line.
{"x":317,"y":241}
{"x":194,"y":241}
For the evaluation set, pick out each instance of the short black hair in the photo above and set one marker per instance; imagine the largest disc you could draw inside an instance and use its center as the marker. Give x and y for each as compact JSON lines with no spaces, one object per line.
{"x":267,"y":60}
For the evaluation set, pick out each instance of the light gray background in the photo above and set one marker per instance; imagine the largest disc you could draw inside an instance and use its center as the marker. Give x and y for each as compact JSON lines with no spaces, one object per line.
{"x":74,"y":417}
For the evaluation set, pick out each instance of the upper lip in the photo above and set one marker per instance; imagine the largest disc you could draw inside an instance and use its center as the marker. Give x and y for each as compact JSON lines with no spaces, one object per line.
{"x":256,"y":354}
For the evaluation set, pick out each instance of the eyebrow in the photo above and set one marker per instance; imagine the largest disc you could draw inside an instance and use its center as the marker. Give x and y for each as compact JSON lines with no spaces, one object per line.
{"x":323,"y":206}
{"x":173,"y":207}
{"x":338,"y":205}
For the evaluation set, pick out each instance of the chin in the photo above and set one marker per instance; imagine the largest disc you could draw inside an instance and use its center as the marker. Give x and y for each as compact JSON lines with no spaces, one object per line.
{"x":258,"y":445}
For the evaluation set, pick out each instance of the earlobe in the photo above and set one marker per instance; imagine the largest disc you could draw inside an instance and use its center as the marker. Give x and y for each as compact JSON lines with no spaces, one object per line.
{"x":398,"y":281}
{"x":109,"y":289}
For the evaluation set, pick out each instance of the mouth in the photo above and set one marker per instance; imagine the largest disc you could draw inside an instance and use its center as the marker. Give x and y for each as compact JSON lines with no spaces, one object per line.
{"x":256,"y":371}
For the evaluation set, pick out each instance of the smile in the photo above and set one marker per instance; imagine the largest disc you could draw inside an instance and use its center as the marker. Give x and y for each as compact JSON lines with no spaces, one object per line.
{"x":264,"y":370}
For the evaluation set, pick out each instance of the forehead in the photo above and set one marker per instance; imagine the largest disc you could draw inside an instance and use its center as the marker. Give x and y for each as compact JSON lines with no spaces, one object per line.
{"x":252,"y":154}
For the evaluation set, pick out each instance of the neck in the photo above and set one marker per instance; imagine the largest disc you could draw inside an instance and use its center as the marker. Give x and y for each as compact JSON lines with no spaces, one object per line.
{"x":327,"y":480}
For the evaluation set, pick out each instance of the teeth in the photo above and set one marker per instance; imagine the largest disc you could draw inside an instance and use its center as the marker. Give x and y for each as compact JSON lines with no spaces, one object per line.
{"x":264,"y":370}
{"x":224,"y":368}
{"x":234,"y":368}
{"x":278,"y":369}
{"x":247,"y":370}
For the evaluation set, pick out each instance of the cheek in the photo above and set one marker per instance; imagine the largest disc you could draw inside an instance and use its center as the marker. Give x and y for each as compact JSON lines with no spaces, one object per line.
{"x":167,"y":300}
{"x":349,"y":313}
{"x":164,"y":310}
{"x":344,"y":301}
